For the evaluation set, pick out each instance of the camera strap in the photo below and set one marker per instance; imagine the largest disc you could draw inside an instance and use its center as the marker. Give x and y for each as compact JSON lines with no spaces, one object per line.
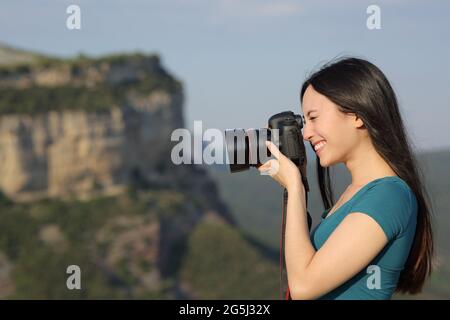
{"x":283,"y":230}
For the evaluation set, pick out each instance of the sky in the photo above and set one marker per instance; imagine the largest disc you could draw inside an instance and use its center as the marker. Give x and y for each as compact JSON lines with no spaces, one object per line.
{"x":241,"y":61}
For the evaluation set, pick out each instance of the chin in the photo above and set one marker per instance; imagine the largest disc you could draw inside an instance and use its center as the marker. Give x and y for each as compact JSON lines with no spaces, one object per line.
{"x":323,"y":163}
{"x":326,"y":163}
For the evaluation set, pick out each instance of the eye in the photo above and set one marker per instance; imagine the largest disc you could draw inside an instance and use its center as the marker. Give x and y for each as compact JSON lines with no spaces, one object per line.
{"x":312,"y":118}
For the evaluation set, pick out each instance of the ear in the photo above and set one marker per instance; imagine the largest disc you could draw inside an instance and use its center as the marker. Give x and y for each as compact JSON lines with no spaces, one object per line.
{"x":359,"y":124}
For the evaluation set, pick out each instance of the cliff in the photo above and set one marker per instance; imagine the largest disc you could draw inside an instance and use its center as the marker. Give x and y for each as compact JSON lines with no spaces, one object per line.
{"x":84,"y":127}
{"x":86,"y":172}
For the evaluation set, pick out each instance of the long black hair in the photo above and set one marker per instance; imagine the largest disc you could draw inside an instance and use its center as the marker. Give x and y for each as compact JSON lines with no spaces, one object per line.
{"x":359,"y":87}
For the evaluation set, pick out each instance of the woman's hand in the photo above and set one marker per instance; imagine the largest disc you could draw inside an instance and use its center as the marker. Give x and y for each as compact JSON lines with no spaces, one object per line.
{"x":281,"y":169}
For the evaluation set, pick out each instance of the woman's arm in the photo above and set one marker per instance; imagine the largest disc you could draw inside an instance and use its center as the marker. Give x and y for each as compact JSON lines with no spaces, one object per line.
{"x":298,"y":247}
{"x":353,"y":244}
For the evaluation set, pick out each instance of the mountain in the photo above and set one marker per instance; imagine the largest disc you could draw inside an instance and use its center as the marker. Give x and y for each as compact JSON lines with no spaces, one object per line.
{"x":86,"y":179}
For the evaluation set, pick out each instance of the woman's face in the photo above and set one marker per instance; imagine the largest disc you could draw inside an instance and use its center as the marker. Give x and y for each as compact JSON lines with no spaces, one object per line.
{"x":324,"y":123}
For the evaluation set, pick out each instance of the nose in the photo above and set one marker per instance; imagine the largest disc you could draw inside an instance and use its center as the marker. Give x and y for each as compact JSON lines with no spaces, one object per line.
{"x":307,"y":132}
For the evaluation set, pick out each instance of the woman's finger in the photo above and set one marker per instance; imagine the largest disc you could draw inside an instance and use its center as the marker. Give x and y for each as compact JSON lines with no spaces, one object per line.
{"x":270,"y":168}
{"x":264,"y":166}
{"x":274,"y":149}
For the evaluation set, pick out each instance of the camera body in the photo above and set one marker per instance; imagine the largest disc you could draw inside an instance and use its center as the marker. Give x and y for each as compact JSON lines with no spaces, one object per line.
{"x":290,"y":143}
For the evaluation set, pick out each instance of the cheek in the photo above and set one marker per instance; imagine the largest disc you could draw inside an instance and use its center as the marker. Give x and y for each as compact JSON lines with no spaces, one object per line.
{"x":328,"y":130}
{"x":335,"y":129}
{"x":343,"y":140}
{"x":339,"y":142}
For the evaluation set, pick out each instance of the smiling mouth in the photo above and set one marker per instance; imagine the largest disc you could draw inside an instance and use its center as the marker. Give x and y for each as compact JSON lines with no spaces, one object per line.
{"x":319,"y":146}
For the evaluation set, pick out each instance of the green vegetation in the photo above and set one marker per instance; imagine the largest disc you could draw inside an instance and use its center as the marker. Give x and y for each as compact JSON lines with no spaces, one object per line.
{"x":40,"y":268}
{"x":81,"y":61}
{"x":105,"y":237}
{"x":219,"y":261}
{"x":102,"y":97}
{"x":43,"y":99}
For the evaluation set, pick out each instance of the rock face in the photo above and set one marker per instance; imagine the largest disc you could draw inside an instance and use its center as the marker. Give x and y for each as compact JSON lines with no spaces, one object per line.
{"x":86,"y":127}
{"x":57,"y":152}
{"x":77,"y":153}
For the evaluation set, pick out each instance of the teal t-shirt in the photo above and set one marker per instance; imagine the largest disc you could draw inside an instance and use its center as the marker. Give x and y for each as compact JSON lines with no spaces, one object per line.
{"x":393,"y":205}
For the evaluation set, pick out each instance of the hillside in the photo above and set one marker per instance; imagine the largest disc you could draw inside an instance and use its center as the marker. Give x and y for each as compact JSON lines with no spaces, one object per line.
{"x":10,"y":56}
{"x":86,"y":179}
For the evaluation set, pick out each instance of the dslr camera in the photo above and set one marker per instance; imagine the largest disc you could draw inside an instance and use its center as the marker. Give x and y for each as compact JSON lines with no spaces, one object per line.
{"x":247,"y":148}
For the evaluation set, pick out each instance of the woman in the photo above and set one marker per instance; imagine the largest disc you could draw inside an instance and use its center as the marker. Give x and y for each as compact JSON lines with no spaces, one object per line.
{"x":377,"y":238}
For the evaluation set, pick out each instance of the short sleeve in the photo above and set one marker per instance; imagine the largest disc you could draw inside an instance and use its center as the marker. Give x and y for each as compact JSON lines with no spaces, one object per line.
{"x":389,"y":203}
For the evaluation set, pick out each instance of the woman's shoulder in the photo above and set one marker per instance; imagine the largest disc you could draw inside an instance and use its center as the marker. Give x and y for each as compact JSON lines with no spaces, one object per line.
{"x":390,"y":201}
{"x":393,"y":187}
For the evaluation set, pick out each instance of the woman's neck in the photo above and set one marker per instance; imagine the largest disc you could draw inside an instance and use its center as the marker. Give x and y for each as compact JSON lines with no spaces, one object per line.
{"x":365,"y":165}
